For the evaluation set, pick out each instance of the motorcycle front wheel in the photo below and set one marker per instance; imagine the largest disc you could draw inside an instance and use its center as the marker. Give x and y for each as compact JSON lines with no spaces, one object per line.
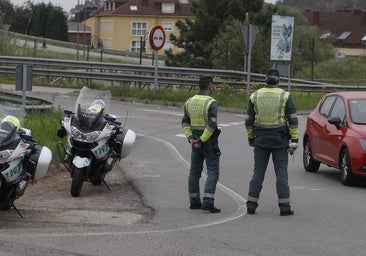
{"x":78,"y":178}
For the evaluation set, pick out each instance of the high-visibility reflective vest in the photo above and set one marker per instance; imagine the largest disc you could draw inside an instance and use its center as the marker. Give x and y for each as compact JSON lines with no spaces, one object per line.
{"x":197,"y":108}
{"x":270,"y":105}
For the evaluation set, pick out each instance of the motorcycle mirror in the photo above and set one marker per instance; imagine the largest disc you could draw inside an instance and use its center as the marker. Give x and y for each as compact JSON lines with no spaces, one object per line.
{"x":68,"y":112}
{"x":61,"y":133}
{"x":110,"y":118}
{"x":26,"y":137}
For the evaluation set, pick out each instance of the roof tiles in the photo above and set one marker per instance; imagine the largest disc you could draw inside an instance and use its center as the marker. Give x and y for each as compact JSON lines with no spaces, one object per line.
{"x":339,"y":22}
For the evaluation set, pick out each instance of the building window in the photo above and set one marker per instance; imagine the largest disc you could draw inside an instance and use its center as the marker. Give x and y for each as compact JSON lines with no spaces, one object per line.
{"x":106,"y":25}
{"x":363,"y":41}
{"x":343,"y":37}
{"x":168,"y":26}
{"x":135,"y":46}
{"x":167,"y":8}
{"x":139,"y":28}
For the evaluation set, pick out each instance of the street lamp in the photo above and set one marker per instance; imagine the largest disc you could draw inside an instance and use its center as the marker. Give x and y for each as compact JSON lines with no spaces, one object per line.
{"x":300,"y":49}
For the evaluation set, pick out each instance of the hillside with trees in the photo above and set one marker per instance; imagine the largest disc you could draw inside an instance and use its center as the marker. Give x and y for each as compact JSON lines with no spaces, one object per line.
{"x":325,"y":5}
{"x":42,"y":20}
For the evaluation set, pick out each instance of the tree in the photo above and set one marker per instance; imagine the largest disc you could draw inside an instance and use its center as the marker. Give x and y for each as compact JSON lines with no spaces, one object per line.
{"x":40,"y":20}
{"x":6,"y":12}
{"x":329,"y":5}
{"x":222,"y":47}
{"x":48,"y":21}
{"x":304,"y":32}
{"x":23,"y":17}
{"x":197,"y":38}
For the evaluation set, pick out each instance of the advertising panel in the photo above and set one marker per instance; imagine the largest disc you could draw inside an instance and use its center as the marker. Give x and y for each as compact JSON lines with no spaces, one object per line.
{"x":281,"y":37}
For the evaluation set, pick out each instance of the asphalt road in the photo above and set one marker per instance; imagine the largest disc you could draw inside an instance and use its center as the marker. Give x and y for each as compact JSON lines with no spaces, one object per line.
{"x":327,"y":221}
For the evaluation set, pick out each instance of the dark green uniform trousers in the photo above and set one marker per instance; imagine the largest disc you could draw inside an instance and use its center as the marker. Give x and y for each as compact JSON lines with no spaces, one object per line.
{"x":198,"y":156}
{"x":280,"y":163}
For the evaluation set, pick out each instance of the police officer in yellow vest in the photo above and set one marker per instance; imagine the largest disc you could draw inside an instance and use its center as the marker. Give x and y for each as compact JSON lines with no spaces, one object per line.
{"x":199,"y":125}
{"x":271,"y":122}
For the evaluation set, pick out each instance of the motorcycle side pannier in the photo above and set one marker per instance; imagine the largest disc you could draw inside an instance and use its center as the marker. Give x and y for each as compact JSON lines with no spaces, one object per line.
{"x":42,"y":157}
{"x":125,"y":142}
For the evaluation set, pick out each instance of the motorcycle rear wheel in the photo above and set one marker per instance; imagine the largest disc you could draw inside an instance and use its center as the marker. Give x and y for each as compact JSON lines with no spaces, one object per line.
{"x":78,"y":178}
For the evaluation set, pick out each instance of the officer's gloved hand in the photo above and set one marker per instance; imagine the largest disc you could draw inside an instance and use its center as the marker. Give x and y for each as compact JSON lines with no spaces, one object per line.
{"x":251,"y":142}
{"x":292,"y":146}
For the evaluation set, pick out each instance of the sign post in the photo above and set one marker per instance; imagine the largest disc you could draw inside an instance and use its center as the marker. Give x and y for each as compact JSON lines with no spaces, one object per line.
{"x":157,"y":40}
{"x":249,"y":33}
{"x":24,"y":75}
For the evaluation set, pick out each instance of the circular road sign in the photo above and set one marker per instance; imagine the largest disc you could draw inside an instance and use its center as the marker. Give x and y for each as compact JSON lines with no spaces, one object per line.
{"x":157,"y":37}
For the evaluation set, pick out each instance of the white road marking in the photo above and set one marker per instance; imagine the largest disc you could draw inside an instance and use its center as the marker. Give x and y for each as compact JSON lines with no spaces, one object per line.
{"x":307,"y":188}
{"x":162,"y":112}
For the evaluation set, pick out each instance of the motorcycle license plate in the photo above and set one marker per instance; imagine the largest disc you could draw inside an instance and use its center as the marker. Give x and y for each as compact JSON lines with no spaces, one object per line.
{"x":81,"y":162}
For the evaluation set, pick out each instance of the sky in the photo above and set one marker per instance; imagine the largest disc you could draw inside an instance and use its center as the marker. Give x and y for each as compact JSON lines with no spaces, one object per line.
{"x":69,"y":4}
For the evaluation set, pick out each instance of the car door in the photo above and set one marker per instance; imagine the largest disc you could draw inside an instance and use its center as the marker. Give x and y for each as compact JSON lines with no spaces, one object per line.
{"x":318,"y":127}
{"x":333,"y":137}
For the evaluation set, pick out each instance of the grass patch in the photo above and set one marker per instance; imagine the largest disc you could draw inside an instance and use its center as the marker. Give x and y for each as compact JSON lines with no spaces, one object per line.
{"x":44,"y":125}
{"x":226,"y":96}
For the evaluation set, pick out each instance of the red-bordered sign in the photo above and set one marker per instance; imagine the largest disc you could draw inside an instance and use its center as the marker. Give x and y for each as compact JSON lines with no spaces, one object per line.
{"x":157,"y":37}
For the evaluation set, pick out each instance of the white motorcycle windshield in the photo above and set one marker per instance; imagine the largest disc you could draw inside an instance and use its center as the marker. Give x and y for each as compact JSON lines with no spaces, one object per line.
{"x":92,"y":100}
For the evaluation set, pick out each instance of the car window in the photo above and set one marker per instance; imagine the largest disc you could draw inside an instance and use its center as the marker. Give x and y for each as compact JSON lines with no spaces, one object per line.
{"x":338,"y":109}
{"x":358,"y":111}
{"x":327,"y":105}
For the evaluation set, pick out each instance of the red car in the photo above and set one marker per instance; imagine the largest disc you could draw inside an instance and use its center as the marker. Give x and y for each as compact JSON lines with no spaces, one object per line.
{"x":335,"y":135}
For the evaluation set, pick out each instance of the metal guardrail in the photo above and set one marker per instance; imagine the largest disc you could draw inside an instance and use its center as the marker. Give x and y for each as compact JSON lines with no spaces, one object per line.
{"x":30,"y":104}
{"x":143,"y":75}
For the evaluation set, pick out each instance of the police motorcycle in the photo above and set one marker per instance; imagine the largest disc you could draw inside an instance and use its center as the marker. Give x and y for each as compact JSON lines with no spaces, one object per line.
{"x":22,"y":160}
{"x":95,"y":140}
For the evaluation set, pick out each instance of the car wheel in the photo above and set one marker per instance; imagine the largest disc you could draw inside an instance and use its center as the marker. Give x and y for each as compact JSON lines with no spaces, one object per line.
{"x":310,"y":164}
{"x":347,"y":177}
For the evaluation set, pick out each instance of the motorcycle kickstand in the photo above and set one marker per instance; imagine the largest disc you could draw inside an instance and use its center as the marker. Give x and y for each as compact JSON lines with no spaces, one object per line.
{"x":105,"y":183}
{"x":17,"y":210}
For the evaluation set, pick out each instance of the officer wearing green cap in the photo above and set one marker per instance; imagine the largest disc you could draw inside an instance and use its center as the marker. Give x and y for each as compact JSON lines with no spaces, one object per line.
{"x":199,"y":125}
{"x":271,"y":122}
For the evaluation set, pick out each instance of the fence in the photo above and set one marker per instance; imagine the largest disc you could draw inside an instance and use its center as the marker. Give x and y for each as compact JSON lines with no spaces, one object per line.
{"x":143,"y":75}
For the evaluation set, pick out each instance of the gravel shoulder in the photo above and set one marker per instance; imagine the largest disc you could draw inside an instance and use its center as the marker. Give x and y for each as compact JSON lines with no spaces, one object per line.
{"x":48,"y":202}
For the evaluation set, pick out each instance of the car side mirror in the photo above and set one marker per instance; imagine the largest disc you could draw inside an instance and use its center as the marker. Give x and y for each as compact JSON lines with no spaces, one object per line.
{"x":335,"y":121}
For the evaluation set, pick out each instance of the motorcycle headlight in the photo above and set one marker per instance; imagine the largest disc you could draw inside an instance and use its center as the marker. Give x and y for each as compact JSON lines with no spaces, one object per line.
{"x":363,"y":144}
{"x":84,"y":137}
{"x":5,"y":154}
